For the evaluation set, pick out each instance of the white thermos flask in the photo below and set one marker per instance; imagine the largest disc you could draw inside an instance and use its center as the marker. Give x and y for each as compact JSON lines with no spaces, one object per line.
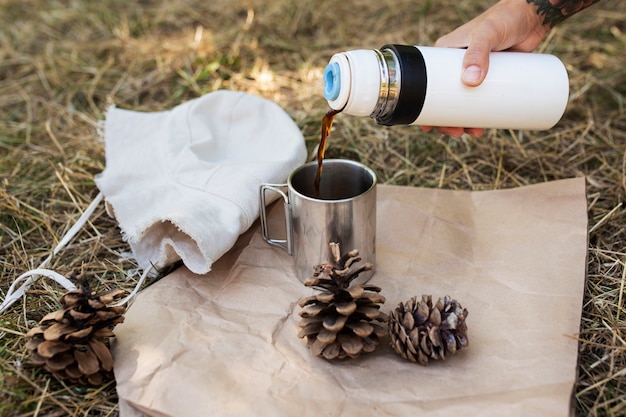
{"x":417,"y":85}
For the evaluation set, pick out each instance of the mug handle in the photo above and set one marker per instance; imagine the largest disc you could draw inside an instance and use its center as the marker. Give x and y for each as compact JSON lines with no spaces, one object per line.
{"x":284,"y":244}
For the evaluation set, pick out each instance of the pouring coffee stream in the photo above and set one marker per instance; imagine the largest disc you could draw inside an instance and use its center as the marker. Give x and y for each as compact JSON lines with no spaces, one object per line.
{"x":327,"y":124}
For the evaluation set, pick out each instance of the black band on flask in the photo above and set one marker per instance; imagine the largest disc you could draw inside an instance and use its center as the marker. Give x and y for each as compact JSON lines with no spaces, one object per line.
{"x":412,"y":94}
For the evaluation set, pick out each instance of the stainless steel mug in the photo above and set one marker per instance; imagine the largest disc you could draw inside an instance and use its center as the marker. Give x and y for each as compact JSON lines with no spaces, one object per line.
{"x":343,"y":212}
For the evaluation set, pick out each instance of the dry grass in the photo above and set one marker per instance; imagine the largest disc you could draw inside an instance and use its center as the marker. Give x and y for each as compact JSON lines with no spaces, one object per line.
{"x":62,"y":62}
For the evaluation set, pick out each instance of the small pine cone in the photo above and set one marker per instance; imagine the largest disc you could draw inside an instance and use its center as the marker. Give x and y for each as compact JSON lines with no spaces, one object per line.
{"x":342,"y":320}
{"x":72,"y":342}
{"x":420,"y":331}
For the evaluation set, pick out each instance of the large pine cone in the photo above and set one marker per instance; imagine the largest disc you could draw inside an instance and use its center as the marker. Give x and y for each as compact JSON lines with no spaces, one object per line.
{"x":72,"y":342}
{"x":342,"y":320}
{"x":421,"y":331}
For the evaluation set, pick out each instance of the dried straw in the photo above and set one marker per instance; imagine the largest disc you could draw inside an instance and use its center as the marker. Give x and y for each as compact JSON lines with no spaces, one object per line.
{"x":62,"y":63}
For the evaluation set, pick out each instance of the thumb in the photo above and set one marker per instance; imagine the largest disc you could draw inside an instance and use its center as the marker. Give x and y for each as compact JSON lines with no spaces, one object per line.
{"x":475,"y":64}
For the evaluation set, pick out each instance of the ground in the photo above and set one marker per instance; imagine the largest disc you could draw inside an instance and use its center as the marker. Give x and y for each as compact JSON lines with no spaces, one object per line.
{"x":63,"y":62}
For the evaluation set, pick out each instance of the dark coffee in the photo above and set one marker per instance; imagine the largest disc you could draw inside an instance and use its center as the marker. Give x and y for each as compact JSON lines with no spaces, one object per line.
{"x":327,"y":124}
{"x":342,"y":180}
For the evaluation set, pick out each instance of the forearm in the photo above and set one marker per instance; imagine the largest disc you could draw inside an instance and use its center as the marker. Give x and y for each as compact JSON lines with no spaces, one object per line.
{"x":555,"y":11}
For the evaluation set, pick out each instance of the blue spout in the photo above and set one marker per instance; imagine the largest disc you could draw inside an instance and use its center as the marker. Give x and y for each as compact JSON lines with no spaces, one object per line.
{"x":332,"y":81}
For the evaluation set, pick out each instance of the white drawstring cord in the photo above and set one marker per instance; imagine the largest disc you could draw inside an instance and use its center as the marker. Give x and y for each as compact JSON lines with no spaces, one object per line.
{"x":74,"y":229}
{"x":129,"y":298}
{"x":28,"y":278}
{"x":13,"y":295}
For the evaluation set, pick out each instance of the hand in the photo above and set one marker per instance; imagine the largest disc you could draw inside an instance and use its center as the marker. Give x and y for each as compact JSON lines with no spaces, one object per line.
{"x":512,"y":25}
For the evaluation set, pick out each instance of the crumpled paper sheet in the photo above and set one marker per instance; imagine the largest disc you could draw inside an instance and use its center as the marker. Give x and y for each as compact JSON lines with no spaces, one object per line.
{"x":225,"y":344}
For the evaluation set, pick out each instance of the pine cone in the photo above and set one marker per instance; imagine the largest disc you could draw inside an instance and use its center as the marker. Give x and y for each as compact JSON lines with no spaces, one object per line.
{"x":420,"y":331}
{"x":72,"y":342}
{"x":341,"y":321}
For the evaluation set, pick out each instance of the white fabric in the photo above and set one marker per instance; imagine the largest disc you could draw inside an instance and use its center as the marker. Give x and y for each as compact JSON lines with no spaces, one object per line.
{"x":184,"y":183}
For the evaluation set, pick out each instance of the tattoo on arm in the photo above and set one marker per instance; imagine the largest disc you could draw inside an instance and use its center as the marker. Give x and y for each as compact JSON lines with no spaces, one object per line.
{"x":556,"y":11}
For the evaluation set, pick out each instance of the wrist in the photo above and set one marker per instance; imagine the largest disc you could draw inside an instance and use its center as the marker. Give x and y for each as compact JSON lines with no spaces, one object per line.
{"x":553,"y":12}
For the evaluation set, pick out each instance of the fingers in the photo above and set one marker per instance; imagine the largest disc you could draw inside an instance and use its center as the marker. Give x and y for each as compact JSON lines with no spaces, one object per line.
{"x":473,"y":75}
{"x":476,"y":59}
{"x":475,"y":63}
{"x":475,"y":131}
{"x":456,"y":132}
{"x":479,"y":38}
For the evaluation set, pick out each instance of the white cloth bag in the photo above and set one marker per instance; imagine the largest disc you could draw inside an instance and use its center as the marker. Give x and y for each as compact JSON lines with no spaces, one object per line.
{"x":184,"y":183}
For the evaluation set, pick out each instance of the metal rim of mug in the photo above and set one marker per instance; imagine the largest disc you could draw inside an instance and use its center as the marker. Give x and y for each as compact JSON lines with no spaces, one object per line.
{"x":365,"y":168}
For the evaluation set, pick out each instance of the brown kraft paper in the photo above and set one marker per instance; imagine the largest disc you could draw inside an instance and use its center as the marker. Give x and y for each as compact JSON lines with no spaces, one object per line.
{"x":225,"y":343}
